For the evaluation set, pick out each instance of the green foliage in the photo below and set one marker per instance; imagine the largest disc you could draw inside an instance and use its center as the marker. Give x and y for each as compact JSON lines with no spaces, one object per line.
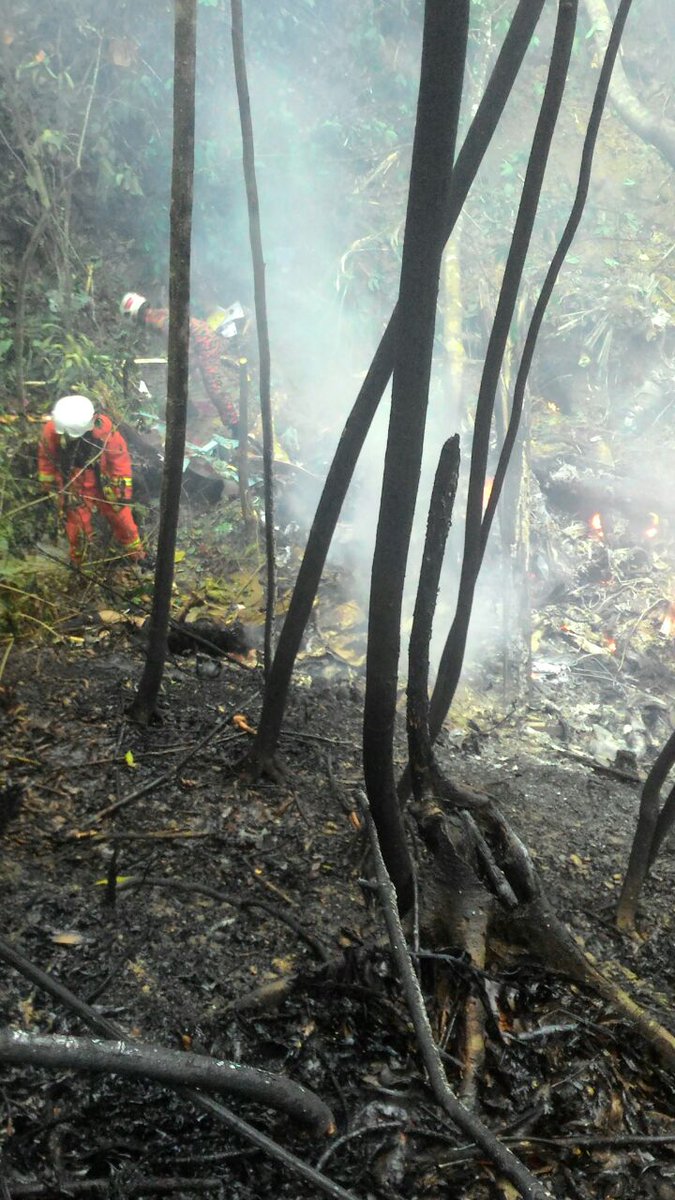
{"x":24,"y":513}
{"x":29,"y":593}
{"x":6,"y":337}
{"x":72,"y":362}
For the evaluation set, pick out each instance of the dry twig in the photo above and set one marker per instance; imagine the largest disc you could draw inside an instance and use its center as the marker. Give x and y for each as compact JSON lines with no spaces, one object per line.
{"x":199,"y":889}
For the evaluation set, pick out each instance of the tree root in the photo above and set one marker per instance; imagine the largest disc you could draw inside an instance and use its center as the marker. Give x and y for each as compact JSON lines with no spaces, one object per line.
{"x":256,"y":766}
{"x":473,"y":1050}
{"x":504,"y":1160}
{"x":167,"y":1066}
{"x":536,"y":926}
{"x":530,"y":922}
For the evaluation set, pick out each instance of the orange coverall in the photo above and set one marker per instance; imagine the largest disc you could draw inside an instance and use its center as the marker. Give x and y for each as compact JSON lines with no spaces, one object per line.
{"x":90,"y":473}
{"x":207,"y":347}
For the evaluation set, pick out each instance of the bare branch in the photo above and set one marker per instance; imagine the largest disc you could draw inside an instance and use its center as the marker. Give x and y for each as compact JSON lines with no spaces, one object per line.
{"x":174,"y":1067}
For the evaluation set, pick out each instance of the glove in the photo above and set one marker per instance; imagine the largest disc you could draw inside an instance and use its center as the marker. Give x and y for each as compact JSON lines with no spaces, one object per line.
{"x":117,"y":492}
{"x":132,"y":304}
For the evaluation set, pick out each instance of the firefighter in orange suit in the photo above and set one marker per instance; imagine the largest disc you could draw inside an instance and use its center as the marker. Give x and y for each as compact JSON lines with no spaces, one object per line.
{"x":84,"y":461}
{"x":206,"y":344}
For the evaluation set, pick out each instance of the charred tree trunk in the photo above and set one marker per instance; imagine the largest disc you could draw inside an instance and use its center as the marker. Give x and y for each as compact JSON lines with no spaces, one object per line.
{"x":652,"y":827}
{"x":358,"y":423}
{"x":441,"y":504}
{"x":453,"y":653}
{"x":240,"y":75}
{"x":478,"y":526}
{"x":442,"y":70}
{"x":185,"y":36}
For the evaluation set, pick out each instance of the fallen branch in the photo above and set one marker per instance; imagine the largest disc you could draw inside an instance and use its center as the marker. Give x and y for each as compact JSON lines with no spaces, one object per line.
{"x":156,"y":835}
{"x":178,"y":887}
{"x":107,"y":1028}
{"x":174,"y":1067}
{"x":463,"y":1154}
{"x":136,"y":1186}
{"x":500,"y":1155}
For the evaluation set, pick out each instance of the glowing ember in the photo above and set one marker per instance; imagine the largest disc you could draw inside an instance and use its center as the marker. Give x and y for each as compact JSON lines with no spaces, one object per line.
{"x":487,"y":490}
{"x":668,"y":626}
{"x":610,"y":644}
{"x":653,"y":527}
{"x":595,"y":525}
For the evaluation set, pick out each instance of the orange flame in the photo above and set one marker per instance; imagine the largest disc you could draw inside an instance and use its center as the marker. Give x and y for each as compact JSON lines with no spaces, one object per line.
{"x":596,"y":528}
{"x":610,"y":643}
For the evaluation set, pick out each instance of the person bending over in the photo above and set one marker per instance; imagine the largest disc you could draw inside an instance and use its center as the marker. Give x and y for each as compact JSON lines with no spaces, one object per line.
{"x":85,"y":463}
{"x":206,"y":349}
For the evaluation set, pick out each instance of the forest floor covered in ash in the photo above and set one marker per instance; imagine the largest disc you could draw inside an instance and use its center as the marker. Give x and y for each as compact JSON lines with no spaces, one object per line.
{"x":288,"y":968}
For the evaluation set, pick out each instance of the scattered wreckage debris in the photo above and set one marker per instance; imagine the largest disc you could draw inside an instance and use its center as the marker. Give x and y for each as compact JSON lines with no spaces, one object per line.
{"x":211,"y":465}
{"x":204,"y":634}
{"x":202,"y":482}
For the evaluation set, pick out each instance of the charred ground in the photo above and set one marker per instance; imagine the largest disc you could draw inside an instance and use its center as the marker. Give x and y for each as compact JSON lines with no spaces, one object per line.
{"x":184,"y":970}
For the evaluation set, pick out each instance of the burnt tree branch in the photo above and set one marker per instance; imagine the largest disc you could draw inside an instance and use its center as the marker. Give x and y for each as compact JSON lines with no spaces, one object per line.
{"x":107,"y":1028}
{"x":478,"y":138}
{"x":441,"y":504}
{"x":453,"y":654}
{"x":174,"y":1067}
{"x":644,"y":841}
{"x":452,"y":657}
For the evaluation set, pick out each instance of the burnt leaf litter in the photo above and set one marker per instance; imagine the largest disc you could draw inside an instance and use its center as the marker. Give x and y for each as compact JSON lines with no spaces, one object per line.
{"x":294,"y":974}
{"x":201,"y":912}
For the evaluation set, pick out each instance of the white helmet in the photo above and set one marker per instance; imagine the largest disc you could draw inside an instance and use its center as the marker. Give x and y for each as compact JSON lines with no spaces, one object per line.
{"x":73,"y":415}
{"x":131,"y":304}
